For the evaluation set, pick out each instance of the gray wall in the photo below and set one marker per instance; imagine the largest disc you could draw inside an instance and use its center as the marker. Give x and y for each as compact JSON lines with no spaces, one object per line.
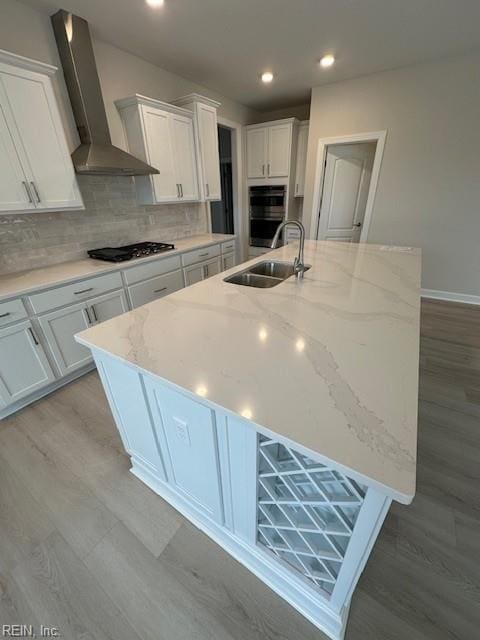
{"x":429,"y":187}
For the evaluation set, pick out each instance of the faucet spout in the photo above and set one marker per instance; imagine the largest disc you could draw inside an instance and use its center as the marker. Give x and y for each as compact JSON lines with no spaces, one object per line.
{"x":299,"y":262}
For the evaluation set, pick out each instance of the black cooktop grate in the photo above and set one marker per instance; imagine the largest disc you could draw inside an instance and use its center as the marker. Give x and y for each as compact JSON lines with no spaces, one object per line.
{"x":137,"y":250}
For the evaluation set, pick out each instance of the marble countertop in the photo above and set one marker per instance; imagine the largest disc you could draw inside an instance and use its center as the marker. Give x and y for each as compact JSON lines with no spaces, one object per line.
{"x":329,"y":362}
{"x":24,"y":282}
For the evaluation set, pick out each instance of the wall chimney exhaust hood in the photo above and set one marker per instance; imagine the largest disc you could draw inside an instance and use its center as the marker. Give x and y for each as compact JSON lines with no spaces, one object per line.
{"x":96,"y":155}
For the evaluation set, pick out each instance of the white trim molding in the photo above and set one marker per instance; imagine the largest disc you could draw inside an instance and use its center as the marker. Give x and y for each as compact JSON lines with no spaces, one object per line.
{"x":323,"y":143}
{"x":450,"y":296}
{"x":6,"y":57}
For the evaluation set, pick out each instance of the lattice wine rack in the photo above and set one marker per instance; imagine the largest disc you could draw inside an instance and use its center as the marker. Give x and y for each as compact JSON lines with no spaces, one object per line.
{"x":306,"y":512}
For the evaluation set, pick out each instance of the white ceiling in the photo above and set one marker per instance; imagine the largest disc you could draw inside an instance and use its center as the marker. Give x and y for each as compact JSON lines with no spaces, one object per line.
{"x":226,"y":44}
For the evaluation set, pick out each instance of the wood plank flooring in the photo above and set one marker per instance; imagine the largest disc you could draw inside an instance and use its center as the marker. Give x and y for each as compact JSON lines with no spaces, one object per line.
{"x":86,"y":547}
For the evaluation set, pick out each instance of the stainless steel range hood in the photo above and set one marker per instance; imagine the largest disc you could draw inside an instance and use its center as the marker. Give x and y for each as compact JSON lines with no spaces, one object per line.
{"x":96,"y":155}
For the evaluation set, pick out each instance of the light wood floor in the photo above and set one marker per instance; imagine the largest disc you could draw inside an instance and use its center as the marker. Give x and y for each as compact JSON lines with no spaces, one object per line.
{"x":86,"y":547}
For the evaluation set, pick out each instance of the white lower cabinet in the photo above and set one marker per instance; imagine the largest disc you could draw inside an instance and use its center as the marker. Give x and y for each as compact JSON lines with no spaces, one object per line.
{"x":126,"y":397}
{"x":107,"y":306}
{"x":188,"y":438}
{"x":59,"y":328}
{"x":228,"y":261}
{"x":201,"y":271}
{"x":24,"y":367}
{"x":155,"y":288}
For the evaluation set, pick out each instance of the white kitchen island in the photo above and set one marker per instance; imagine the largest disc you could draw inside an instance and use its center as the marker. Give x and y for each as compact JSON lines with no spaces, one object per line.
{"x":281,"y":421}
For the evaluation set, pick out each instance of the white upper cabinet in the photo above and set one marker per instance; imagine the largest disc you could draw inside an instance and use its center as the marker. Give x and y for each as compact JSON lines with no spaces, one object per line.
{"x":269,"y":149}
{"x":163,"y":136}
{"x":36,"y":170}
{"x":205,"y":121}
{"x":157,"y":127}
{"x":184,"y":156}
{"x":301,"y":160}
{"x":257,"y":152}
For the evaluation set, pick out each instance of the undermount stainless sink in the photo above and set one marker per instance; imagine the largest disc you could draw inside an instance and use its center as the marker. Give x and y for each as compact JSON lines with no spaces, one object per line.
{"x":280,"y":270}
{"x":264,"y":275}
{"x":253,"y":280}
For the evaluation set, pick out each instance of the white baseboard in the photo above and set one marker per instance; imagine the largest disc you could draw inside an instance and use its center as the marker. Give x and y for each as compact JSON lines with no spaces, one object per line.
{"x":450,"y":296}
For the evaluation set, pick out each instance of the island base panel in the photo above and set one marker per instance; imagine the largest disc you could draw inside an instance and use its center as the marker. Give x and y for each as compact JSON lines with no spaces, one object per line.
{"x":301,"y":526}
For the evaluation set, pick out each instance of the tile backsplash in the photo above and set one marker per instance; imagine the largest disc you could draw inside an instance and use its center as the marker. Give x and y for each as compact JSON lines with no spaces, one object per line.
{"x":112,"y":216}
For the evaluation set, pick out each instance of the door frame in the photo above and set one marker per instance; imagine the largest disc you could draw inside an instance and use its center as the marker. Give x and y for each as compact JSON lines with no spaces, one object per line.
{"x":239,"y":226}
{"x":371,"y":136}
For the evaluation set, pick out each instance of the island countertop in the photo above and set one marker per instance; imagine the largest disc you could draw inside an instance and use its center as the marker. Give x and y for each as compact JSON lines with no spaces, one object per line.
{"x":329,"y":362}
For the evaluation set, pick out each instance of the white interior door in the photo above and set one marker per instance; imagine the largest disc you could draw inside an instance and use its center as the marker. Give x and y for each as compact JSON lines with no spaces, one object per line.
{"x":184,"y":154}
{"x":160,"y":154}
{"x":348,"y":170}
{"x":49,"y":167}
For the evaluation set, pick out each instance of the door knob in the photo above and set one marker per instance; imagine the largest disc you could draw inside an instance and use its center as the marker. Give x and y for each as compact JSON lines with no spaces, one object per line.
{"x":358,"y":224}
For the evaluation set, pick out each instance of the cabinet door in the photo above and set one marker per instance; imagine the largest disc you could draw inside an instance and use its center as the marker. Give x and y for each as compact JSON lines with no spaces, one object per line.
{"x":184,"y":156}
{"x":279,"y":148}
{"x":212,"y":267}
{"x":301,"y":161}
{"x":44,"y":153}
{"x":14,"y":193}
{"x":194,"y":273}
{"x":208,"y":134}
{"x":24,"y":367}
{"x":154,"y":288}
{"x":160,"y":154}
{"x":188,"y":439}
{"x":127,"y":401}
{"x":59,"y":328}
{"x":229,"y":261}
{"x":257,"y":140}
{"x":107,"y":306}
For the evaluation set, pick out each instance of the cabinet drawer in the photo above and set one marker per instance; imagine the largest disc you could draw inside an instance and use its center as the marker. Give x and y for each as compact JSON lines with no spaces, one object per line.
{"x":151,"y":269}
{"x":75,"y":292}
{"x":155,"y":288}
{"x":199,"y":255}
{"x":11,"y":311}
{"x":228,"y":247}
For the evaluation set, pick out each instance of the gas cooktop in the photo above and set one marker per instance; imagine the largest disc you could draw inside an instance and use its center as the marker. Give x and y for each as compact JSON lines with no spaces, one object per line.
{"x":138,"y":250}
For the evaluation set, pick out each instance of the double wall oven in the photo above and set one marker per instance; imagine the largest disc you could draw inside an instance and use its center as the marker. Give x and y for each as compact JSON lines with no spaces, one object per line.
{"x":267,"y":205}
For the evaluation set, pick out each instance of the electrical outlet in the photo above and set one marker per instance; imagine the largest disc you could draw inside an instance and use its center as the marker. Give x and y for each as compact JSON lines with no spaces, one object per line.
{"x":182,"y":430}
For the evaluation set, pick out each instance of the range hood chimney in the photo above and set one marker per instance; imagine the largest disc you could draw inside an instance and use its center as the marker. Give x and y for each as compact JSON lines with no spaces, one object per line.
{"x":96,"y":155}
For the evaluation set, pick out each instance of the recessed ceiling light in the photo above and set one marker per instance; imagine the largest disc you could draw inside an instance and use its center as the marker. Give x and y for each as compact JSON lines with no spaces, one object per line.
{"x":267,"y":77}
{"x":327,"y":60}
{"x":155,"y":3}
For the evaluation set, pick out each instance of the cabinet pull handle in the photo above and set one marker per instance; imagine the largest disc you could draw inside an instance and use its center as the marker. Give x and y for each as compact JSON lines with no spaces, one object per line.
{"x":268,"y":168}
{"x":34,"y":187}
{"x":94,"y":313}
{"x":77,"y":293}
{"x":205,"y":271}
{"x":89,"y":320}
{"x":4,"y":315}
{"x":29,"y":195}
{"x":263,"y":169}
{"x":208,"y":190}
{"x":34,"y":337}
{"x":181,"y":190}
{"x":178,"y":190}
{"x":160,"y":290}
{"x":203,"y":255}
